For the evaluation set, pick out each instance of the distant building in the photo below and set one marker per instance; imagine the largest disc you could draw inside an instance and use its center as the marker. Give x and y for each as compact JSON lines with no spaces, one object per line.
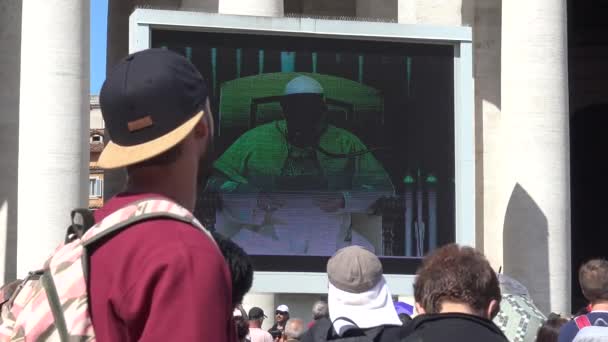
{"x":96,"y":143}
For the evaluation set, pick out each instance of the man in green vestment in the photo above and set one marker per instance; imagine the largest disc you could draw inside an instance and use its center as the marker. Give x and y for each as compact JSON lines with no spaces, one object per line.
{"x":293,"y":165}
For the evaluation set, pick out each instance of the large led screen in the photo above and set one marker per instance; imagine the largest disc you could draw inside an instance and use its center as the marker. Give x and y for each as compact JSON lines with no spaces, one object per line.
{"x":323,"y":143}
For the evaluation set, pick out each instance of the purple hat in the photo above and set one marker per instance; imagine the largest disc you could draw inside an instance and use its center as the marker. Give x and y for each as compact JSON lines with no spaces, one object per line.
{"x":404,"y":308}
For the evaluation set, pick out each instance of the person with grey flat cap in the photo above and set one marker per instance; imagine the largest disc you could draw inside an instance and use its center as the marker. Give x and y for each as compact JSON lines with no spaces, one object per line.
{"x":359,"y":299}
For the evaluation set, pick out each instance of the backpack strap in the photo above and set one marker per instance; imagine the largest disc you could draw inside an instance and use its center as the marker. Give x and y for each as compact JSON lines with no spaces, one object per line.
{"x":147,"y":209}
{"x":373,"y":334}
{"x":140,"y":211}
{"x":582,"y":322}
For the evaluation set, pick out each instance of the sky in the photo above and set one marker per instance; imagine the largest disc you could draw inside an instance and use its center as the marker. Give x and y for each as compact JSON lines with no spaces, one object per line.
{"x":99,"y":25}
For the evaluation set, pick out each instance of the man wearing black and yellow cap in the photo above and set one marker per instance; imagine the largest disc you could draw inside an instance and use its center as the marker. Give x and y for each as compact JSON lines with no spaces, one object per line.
{"x":158,"y":279}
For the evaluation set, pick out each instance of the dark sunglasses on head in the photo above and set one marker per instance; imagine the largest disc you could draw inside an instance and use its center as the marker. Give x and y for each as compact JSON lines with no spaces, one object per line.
{"x":283,"y":313}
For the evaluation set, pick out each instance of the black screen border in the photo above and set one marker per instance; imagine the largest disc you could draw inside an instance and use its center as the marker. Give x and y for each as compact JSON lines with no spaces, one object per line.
{"x":315,"y":264}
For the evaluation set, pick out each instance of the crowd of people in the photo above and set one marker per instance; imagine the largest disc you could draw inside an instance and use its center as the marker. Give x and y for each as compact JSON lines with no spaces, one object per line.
{"x":156,"y":108}
{"x":457,"y":298}
{"x":164,"y":279}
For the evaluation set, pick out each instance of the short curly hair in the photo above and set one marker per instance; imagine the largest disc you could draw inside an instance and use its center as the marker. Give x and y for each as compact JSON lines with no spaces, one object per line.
{"x":457,"y":274}
{"x":593,"y":278}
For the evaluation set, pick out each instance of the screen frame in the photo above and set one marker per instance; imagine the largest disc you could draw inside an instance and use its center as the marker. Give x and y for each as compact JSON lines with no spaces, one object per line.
{"x":143,"y":21}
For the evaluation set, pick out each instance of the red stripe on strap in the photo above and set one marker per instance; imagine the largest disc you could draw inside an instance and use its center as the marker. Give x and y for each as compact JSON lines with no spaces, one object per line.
{"x":582,"y":322}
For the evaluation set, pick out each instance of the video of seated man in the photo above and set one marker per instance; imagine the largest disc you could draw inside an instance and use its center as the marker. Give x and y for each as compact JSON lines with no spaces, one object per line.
{"x":298,"y":169}
{"x":322,"y":149}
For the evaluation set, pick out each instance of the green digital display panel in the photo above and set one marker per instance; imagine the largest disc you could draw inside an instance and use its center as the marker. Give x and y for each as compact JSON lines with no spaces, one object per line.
{"x":323,"y":143}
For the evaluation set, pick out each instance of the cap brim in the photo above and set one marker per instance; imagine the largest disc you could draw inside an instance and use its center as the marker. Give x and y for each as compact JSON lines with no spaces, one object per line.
{"x":114,"y":156}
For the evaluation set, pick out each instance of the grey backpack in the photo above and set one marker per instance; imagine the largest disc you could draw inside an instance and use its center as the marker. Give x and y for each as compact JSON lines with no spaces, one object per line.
{"x":323,"y":331}
{"x":588,"y":332}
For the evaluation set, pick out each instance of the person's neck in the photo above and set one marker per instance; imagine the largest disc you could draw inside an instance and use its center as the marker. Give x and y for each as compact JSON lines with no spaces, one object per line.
{"x":164,"y":181}
{"x":254,"y":324}
{"x":599,"y":306}
{"x":452,"y":307}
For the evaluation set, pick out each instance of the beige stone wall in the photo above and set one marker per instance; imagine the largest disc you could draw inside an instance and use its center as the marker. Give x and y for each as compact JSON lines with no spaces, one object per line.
{"x":96,"y":119}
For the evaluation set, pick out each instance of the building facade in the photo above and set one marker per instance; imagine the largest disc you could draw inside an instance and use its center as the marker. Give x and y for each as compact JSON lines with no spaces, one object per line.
{"x":96,"y":144}
{"x":536,"y":64}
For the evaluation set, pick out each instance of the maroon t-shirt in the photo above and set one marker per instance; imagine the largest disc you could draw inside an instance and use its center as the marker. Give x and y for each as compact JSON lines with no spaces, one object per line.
{"x":159,"y":280}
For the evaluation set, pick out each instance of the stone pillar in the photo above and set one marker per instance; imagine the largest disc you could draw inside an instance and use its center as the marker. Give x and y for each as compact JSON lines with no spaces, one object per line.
{"x":268,"y":8}
{"x":265,"y":301}
{"x":53,"y":125}
{"x":10,"y":61}
{"x":406,"y":11}
{"x":536,"y":232}
{"x":490,"y":203}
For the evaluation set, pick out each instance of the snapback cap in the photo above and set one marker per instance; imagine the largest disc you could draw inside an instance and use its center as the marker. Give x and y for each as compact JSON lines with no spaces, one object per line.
{"x":149,"y":102}
{"x":256,"y":313}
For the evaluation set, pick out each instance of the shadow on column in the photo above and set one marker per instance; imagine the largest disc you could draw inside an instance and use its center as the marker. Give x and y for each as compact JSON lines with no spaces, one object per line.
{"x":526,"y":249}
{"x":485,"y":19}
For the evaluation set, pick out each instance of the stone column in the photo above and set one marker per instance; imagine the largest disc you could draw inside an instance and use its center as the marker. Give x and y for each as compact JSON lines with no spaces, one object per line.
{"x":536,"y":232}
{"x":488,"y":131}
{"x":10,"y":60}
{"x":406,"y":11}
{"x":53,"y":125}
{"x":268,"y":8}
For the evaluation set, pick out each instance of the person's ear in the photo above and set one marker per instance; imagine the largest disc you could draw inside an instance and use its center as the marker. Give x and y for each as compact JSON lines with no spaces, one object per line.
{"x":493,"y":309}
{"x":203,"y":127}
{"x":419,"y":309}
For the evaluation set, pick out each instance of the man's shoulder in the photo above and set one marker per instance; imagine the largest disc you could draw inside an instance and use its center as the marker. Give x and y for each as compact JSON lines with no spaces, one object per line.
{"x":163,"y":236}
{"x":568,"y":331}
{"x":456,"y":326}
{"x":259,"y":331}
{"x":265,"y":129}
{"x":342,"y":137}
{"x":335,"y":130}
{"x":598,"y":318}
{"x":258,"y":334}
